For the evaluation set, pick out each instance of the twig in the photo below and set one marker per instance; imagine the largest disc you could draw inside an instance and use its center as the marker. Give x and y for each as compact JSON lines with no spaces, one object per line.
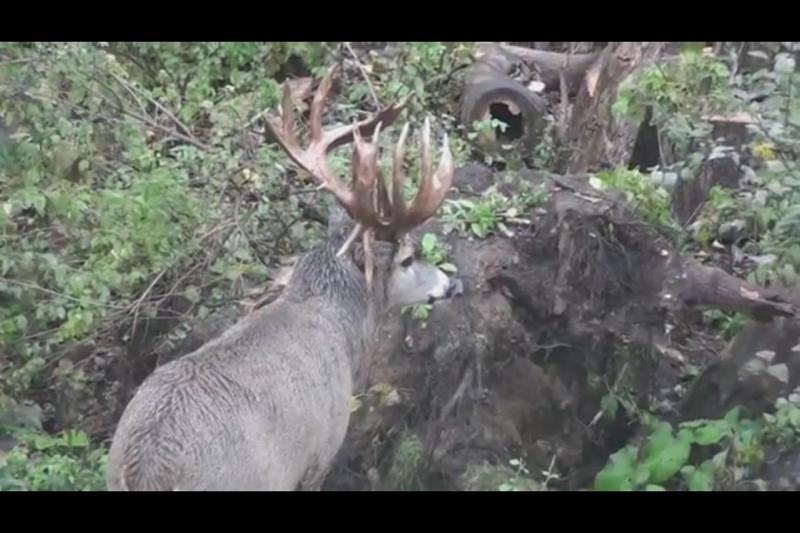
{"x":59,"y":294}
{"x":133,"y":89}
{"x":364,"y":75}
{"x":130,"y":88}
{"x":20,"y":61}
{"x":138,"y":303}
{"x":462,"y":387}
{"x":612,"y":391}
{"x":549,"y":472}
{"x":146,"y":121}
{"x":176,"y":134}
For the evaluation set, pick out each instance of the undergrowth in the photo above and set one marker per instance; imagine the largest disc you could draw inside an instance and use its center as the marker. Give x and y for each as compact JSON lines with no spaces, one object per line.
{"x":136,"y":186}
{"x":701,"y":455}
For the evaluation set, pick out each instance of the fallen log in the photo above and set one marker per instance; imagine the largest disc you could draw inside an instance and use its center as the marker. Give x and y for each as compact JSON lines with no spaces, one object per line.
{"x":490,"y":93}
{"x":548,"y":65}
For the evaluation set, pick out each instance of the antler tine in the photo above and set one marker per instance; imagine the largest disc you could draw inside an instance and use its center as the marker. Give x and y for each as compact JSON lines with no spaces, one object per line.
{"x":399,"y":177}
{"x":314,"y":159}
{"x":357,"y":202}
{"x":432,"y":187}
{"x":320,"y":97}
{"x":382,"y":203}
{"x":365,"y":174}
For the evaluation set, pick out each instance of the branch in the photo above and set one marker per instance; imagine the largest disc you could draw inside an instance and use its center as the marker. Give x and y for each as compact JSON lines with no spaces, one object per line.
{"x":364,"y":75}
{"x":133,"y":89}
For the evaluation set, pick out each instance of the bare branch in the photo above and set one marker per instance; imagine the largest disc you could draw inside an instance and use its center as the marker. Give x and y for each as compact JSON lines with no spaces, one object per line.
{"x":364,"y":75}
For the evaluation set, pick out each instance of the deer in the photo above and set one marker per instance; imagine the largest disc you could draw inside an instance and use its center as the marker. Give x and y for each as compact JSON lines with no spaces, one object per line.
{"x":265,"y":406}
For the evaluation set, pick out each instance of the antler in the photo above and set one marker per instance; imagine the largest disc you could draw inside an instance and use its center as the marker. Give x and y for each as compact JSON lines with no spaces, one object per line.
{"x":432,"y":188}
{"x":367,"y":202}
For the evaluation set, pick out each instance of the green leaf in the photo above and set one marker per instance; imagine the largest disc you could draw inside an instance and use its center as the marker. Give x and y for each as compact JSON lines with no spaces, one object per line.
{"x":448,"y":267}
{"x":609,"y":404}
{"x":654,"y":488}
{"x":642,"y":474}
{"x":660,"y":439}
{"x":618,"y":473}
{"x":712,"y":432}
{"x":732,"y":417}
{"x":192,"y":294}
{"x":77,"y":439}
{"x":692,"y":46}
{"x":429,"y":242}
{"x":701,"y":479}
{"x":666,"y":455}
{"x":794,"y":417}
{"x":789,"y":274}
{"x":478,"y":230}
{"x":419,"y":87}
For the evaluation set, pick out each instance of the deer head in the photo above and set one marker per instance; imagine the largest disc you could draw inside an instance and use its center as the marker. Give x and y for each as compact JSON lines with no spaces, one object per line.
{"x":378,"y":214}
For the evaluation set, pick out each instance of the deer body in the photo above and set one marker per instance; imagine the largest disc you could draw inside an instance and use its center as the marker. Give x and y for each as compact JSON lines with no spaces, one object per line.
{"x":265,"y":406}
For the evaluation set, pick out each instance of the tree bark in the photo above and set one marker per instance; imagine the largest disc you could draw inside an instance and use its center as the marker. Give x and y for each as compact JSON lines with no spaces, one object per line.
{"x":700,"y":285}
{"x":549,"y":64}
{"x":505,"y":57}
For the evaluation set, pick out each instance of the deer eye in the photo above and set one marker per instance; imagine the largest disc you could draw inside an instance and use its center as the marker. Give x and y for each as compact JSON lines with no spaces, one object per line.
{"x":405,"y":263}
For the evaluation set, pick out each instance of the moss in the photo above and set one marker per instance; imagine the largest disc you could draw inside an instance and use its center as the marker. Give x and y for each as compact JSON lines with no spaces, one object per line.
{"x":404,"y":473}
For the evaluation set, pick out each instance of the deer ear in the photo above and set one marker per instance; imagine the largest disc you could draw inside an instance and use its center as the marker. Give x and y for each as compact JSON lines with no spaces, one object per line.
{"x":338,"y":219}
{"x":356,"y":252}
{"x":382,"y":254}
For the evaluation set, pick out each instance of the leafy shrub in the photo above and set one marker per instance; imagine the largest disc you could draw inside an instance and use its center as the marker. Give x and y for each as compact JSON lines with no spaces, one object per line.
{"x":652,"y":202}
{"x":733,"y":443}
{"x":103,"y":196}
{"x":64,"y":462}
{"x":670,"y":92}
{"x":135,"y":175}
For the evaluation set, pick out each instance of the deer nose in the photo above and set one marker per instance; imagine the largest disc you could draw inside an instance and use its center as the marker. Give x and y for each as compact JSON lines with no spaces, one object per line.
{"x":455,"y":288}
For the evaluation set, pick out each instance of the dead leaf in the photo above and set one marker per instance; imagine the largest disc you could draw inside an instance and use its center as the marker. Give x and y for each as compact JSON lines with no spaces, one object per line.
{"x":779,"y":372}
{"x":739,"y":117}
{"x":300,"y":89}
{"x":354,"y":404}
{"x":766,"y":355}
{"x":750,"y":295}
{"x":592,"y":77}
{"x":536,"y":87}
{"x":393,"y":398}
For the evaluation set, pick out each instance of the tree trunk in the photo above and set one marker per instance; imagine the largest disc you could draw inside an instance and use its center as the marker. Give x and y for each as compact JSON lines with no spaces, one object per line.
{"x":594,"y":138}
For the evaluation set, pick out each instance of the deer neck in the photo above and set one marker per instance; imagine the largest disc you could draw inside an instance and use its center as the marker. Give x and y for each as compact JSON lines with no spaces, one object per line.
{"x":339,"y":286}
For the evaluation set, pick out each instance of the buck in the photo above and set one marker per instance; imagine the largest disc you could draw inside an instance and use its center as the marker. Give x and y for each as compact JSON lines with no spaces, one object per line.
{"x":265,"y":406}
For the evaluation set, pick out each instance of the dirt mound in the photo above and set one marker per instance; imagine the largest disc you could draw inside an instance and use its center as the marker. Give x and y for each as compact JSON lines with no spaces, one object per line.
{"x":553,"y":319}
